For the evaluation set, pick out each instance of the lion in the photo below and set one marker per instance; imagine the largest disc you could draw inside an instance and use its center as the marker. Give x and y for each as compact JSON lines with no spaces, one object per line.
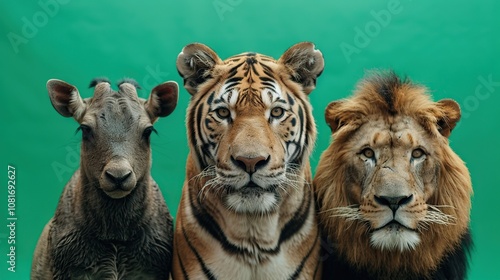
{"x":393,"y":198}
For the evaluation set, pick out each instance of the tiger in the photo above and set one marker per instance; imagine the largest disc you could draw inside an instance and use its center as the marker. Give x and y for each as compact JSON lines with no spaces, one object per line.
{"x":247,"y":208}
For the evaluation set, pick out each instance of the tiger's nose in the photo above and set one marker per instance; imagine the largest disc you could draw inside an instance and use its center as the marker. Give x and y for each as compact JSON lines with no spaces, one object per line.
{"x":250,"y":164}
{"x":393,"y":202}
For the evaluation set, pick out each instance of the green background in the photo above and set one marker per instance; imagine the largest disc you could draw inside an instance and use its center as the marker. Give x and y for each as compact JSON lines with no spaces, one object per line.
{"x":452,"y":47}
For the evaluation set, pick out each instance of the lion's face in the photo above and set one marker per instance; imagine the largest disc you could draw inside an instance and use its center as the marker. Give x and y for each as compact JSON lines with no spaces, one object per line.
{"x":392,"y":173}
{"x":392,"y":194}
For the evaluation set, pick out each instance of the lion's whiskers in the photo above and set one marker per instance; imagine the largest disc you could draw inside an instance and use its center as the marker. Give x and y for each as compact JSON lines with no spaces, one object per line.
{"x":350,"y":213}
{"x":436,"y":216}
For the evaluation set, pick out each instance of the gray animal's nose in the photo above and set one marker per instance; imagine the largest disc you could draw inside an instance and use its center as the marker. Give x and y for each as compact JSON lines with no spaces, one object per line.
{"x":117,"y":177}
{"x":250,"y":164}
{"x":393,"y":202}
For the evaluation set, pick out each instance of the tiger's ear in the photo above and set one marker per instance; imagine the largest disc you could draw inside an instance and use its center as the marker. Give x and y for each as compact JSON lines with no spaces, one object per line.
{"x":194,"y":64}
{"x":305,"y":63}
{"x":451,"y":116}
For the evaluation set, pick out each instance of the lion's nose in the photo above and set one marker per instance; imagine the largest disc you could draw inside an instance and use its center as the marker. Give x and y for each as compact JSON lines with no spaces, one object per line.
{"x":250,"y":164}
{"x":393,"y":202}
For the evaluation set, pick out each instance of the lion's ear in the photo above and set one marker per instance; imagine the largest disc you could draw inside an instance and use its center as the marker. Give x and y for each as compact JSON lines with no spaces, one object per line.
{"x":451,"y":116}
{"x":333,"y":115}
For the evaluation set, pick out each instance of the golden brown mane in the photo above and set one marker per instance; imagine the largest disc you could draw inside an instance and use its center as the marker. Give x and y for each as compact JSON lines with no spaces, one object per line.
{"x":385,"y":96}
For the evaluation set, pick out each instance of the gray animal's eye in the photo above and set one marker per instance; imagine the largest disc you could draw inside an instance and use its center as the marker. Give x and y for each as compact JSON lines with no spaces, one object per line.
{"x":147,"y":132}
{"x":86,"y":131}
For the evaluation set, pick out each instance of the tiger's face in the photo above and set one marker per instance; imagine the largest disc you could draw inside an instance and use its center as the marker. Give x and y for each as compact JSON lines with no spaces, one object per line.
{"x":250,"y":125}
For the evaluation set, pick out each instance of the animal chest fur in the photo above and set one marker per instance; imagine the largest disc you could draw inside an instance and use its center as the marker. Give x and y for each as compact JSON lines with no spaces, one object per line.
{"x":94,"y":259}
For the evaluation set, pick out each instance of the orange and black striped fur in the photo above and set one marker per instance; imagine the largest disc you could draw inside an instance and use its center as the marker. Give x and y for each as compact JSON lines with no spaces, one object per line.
{"x":247,"y":208}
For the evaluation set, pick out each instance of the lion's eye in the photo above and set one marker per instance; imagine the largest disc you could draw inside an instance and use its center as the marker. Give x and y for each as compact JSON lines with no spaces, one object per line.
{"x":367,"y":152}
{"x":417,"y":153}
{"x":277,"y":112}
{"x":223,"y":113}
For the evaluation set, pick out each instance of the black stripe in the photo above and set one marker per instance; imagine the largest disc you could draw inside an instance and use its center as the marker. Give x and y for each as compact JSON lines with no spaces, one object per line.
{"x":231,"y":86}
{"x":192,"y":131}
{"x":184,"y":273}
{"x":206,"y":271}
{"x":266,"y":79}
{"x":268,"y":84}
{"x":290,"y":99}
{"x":309,"y":127}
{"x":299,"y":218}
{"x":207,"y":123}
{"x":268,"y":70}
{"x":210,"y":98}
{"x":234,"y":80}
{"x":297,"y":272}
{"x":207,"y":222}
{"x":234,"y":70}
{"x":199,"y":116}
{"x":294,"y":158}
{"x":254,"y":70}
{"x":303,"y":133}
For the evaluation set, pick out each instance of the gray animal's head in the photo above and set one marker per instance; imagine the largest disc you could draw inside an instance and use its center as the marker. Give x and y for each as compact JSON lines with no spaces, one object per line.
{"x":115,"y":126}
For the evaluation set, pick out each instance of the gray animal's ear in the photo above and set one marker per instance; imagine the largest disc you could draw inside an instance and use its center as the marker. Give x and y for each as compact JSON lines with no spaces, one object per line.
{"x":66,"y":99}
{"x":451,"y":116}
{"x":305,"y":64}
{"x":194,"y":64}
{"x":162,"y":100}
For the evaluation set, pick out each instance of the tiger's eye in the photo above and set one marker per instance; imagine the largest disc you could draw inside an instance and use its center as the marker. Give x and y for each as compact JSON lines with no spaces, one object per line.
{"x":277,"y":112}
{"x":417,"y":153}
{"x":369,"y":153}
{"x":222,"y":113}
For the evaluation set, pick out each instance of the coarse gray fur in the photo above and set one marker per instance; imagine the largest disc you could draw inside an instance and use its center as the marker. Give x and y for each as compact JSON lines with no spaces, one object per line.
{"x":111,"y":221}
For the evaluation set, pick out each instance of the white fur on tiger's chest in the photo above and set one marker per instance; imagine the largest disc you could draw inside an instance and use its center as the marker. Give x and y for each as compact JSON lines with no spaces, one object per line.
{"x":278,"y":267}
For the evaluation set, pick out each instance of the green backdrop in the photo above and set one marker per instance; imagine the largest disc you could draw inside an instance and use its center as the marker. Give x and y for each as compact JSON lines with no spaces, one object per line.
{"x":452,"y":47}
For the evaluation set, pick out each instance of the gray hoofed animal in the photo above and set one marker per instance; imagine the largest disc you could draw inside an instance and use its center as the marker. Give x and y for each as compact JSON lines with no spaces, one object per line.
{"x":111,"y":221}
